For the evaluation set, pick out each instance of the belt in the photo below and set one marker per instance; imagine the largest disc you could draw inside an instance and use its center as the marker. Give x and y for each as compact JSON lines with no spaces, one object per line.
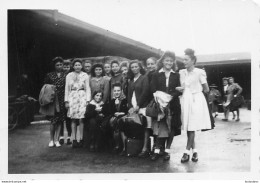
{"x":77,"y":89}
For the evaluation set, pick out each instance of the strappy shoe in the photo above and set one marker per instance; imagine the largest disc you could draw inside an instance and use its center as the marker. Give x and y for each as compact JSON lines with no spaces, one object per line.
{"x":185,"y":158}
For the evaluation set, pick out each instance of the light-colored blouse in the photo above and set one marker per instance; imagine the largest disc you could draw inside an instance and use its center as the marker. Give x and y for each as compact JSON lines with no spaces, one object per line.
{"x":101,"y":84}
{"x":193,"y":80}
{"x":77,"y":81}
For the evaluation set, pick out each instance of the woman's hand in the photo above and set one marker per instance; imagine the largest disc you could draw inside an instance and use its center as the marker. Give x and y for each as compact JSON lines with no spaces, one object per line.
{"x":180,"y":89}
{"x":98,"y":109}
{"x":131,"y":110}
{"x":67,"y":105}
{"x":136,"y":109}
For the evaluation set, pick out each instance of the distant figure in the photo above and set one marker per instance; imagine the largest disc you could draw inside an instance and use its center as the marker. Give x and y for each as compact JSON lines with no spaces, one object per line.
{"x":66,"y":69}
{"x":233,"y":91}
{"x":24,"y":86}
{"x":107,"y":68}
{"x":87,"y":64}
{"x":67,"y":66}
{"x":214,"y":99}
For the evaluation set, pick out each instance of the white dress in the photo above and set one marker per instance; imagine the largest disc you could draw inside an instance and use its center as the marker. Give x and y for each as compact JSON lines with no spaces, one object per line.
{"x":194,"y":108}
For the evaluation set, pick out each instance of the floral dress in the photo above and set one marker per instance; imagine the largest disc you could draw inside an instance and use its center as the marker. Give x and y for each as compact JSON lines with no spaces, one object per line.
{"x":77,"y":94}
{"x":53,"y":79}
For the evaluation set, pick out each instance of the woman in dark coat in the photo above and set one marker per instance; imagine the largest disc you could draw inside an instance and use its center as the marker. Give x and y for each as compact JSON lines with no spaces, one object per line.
{"x":138,"y":89}
{"x":118,"y":109}
{"x":57,"y":78}
{"x":166,"y":80}
{"x":95,"y":114}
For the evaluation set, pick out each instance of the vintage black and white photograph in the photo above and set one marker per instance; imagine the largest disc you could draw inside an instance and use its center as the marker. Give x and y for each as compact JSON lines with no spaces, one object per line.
{"x":131,"y":87}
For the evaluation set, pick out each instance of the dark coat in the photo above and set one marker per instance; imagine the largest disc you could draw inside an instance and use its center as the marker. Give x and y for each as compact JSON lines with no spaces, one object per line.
{"x":158,"y":83}
{"x":141,"y":88}
{"x":122,"y":107}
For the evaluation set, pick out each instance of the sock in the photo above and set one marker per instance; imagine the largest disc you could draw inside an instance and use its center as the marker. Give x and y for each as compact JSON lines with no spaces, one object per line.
{"x":194,"y":150}
{"x":187,"y":151}
{"x":157,"y":151}
{"x":167,"y":150}
{"x":61,"y":137}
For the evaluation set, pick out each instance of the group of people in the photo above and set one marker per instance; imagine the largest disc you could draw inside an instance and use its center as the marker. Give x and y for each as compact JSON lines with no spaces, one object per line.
{"x":99,"y":98}
{"x":223,"y":101}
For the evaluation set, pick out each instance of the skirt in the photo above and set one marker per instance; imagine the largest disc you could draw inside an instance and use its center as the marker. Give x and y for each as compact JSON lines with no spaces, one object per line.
{"x":77,"y":104}
{"x":194,"y":112}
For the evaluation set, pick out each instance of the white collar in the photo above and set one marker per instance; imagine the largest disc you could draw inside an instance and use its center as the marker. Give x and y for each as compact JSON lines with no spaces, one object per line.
{"x":162,"y":70}
{"x":93,"y":102}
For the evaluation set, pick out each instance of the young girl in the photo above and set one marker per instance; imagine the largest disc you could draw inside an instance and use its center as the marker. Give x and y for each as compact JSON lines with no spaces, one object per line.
{"x":118,"y":108}
{"x":94,"y":115}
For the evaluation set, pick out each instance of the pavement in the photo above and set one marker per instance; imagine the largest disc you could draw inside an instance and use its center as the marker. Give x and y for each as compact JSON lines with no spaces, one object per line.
{"x":224,"y":149}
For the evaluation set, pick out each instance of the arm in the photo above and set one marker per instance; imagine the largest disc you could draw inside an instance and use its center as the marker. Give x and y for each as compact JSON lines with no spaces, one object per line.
{"x":203,"y":81}
{"x":145,"y":92}
{"x":239,"y":88}
{"x":67,"y":88}
{"x":106,"y":90}
{"x":129,"y":95}
{"x":87,"y":89}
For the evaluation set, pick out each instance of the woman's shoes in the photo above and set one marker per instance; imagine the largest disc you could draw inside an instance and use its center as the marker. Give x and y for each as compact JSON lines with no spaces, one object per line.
{"x":238,"y":119}
{"x":69,"y":142}
{"x":80,"y":144}
{"x":185,"y":158}
{"x":234,"y":117}
{"x":74,"y":144}
{"x":155,"y":156}
{"x":195,"y":157}
{"x":123,"y":153}
{"x":51,"y":144}
{"x":57,"y":144}
{"x":166,"y":156}
{"x":144,"y":154}
{"x":215,"y":115}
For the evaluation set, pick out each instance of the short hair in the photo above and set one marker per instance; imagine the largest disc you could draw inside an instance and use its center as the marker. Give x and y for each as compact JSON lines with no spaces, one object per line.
{"x":96,"y":92}
{"x":87,"y":61}
{"x":167,"y":54}
{"x":117,"y":85}
{"x":56,"y":60}
{"x":231,"y":78}
{"x":191,"y":53}
{"x":66,"y":62}
{"x":225,"y":79}
{"x":130,"y":74}
{"x":93,"y":74}
{"x":76,"y":60}
{"x":151,"y":58}
{"x":114,"y":62}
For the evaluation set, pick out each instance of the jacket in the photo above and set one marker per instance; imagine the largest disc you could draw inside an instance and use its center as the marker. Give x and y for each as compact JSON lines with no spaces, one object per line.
{"x":48,"y":100}
{"x":141,"y":89}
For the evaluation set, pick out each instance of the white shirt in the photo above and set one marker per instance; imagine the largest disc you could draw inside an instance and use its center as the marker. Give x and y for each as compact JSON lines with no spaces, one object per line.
{"x":167,"y":75}
{"x":193,"y":80}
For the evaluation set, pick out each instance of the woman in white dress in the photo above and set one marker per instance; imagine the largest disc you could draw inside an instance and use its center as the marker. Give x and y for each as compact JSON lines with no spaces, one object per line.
{"x":77,"y":96}
{"x":194,"y":108}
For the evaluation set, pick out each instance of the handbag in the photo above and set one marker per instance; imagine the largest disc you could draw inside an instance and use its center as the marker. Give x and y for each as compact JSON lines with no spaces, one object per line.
{"x":152,"y":109}
{"x":133,"y":118}
{"x":236,"y":102}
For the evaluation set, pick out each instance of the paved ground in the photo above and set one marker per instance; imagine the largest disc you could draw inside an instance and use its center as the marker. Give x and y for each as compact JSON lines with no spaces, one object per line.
{"x":224,"y":149}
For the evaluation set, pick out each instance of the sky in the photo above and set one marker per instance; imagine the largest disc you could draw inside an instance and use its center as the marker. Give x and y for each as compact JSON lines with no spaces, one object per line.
{"x":207,"y":26}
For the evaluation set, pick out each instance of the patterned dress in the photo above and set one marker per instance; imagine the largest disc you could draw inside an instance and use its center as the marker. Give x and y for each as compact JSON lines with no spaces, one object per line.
{"x":77,"y":93}
{"x":53,"y":79}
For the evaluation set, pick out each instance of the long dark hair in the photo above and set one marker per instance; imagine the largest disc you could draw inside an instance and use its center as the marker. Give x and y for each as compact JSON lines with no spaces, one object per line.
{"x":130,"y":74}
{"x":93,"y":74}
{"x":167,"y":54}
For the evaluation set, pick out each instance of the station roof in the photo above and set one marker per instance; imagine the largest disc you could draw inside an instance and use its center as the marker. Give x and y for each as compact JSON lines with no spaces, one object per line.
{"x":226,"y":58}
